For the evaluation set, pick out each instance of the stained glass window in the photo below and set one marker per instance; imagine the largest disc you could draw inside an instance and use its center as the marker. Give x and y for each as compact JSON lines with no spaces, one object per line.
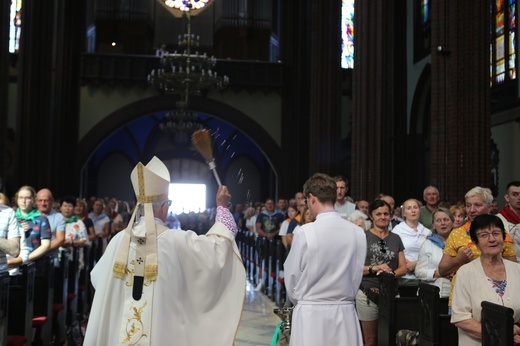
{"x":421,"y":29}
{"x":347,"y":34}
{"x":512,"y":39}
{"x":503,"y":41}
{"x":15,"y":25}
{"x":425,"y":11}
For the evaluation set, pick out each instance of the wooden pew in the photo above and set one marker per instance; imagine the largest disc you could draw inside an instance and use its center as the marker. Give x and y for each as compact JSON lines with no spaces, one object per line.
{"x":242,"y":245}
{"x":435,"y":326}
{"x":395,"y":313}
{"x":83,"y":283}
{"x":250,"y":256}
{"x":280,"y":282}
{"x":61,"y":280}
{"x":4,"y":298}
{"x":263,"y":262}
{"x":497,"y":324}
{"x":244,"y":250}
{"x":253,"y":258}
{"x":21,"y":302}
{"x":272,"y":265}
{"x":43,"y":299}
{"x":73,"y":286}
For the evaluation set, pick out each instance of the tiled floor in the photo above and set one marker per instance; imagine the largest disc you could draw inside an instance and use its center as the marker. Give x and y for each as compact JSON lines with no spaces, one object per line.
{"x":258,"y":321}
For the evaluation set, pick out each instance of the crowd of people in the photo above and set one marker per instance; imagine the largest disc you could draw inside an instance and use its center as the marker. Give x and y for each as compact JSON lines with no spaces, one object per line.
{"x":415,"y":241}
{"x":468,"y":249}
{"x":50,"y":224}
{"x":47,"y":225}
{"x":34,"y":225}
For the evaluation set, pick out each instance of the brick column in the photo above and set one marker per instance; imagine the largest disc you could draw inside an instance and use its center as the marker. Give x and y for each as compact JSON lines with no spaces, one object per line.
{"x":378,"y":89}
{"x":70,"y":40}
{"x":35,"y":68}
{"x":325,"y":86}
{"x":4,"y":85}
{"x":48,"y":95}
{"x":460,"y":112}
{"x":310,"y":50}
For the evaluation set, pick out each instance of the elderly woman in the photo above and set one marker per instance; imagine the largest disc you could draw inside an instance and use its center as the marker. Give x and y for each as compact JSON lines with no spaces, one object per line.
{"x":413,"y":234}
{"x":384,"y":254}
{"x":427,"y":267}
{"x":460,"y":249}
{"x":489,"y":278}
{"x":358,"y":218}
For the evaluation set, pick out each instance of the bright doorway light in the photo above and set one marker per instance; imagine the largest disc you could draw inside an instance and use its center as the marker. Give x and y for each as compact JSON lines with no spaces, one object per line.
{"x":187,"y":197}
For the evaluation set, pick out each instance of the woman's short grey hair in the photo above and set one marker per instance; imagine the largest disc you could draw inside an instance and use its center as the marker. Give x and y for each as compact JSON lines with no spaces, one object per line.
{"x":480,"y":191}
{"x":358,"y":214}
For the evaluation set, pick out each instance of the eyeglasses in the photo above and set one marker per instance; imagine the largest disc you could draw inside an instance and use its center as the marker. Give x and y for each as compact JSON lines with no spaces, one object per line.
{"x":485,"y":235}
{"x":443,"y":220}
{"x":169,"y":202}
{"x":24,"y":198}
{"x":382,"y":245}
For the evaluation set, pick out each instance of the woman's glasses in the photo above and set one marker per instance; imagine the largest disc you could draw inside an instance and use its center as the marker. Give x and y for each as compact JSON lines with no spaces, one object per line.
{"x":486,"y":235}
{"x":382,"y":245}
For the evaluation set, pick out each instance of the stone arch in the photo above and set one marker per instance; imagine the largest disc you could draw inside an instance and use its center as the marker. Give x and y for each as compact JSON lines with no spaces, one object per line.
{"x":148,"y":107}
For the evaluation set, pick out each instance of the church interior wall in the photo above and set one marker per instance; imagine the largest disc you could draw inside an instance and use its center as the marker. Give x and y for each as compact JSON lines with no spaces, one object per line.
{"x":264,"y":108}
{"x":507,"y":138}
{"x":97,"y":102}
{"x":241,"y":175}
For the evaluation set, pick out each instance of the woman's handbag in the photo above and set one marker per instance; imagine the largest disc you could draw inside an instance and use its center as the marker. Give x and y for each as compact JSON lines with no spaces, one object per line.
{"x":371,"y":293}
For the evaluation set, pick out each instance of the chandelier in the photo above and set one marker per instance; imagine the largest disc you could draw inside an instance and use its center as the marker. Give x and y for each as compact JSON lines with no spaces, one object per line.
{"x":181,"y":120}
{"x":185,"y":73}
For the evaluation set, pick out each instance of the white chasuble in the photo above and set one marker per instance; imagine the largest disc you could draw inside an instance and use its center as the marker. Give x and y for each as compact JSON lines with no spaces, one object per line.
{"x":137,"y":316}
{"x":196,"y":300}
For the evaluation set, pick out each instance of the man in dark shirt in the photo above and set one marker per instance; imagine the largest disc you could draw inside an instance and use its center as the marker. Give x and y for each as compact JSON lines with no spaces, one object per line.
{"x":267,"y":226}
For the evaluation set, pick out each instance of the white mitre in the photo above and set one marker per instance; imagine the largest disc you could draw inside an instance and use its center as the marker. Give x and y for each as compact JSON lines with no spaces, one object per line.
{"x":151,"y":183}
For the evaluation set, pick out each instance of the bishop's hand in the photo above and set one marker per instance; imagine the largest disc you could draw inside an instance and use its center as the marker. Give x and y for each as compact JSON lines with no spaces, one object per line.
{"x":223,"y":196}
